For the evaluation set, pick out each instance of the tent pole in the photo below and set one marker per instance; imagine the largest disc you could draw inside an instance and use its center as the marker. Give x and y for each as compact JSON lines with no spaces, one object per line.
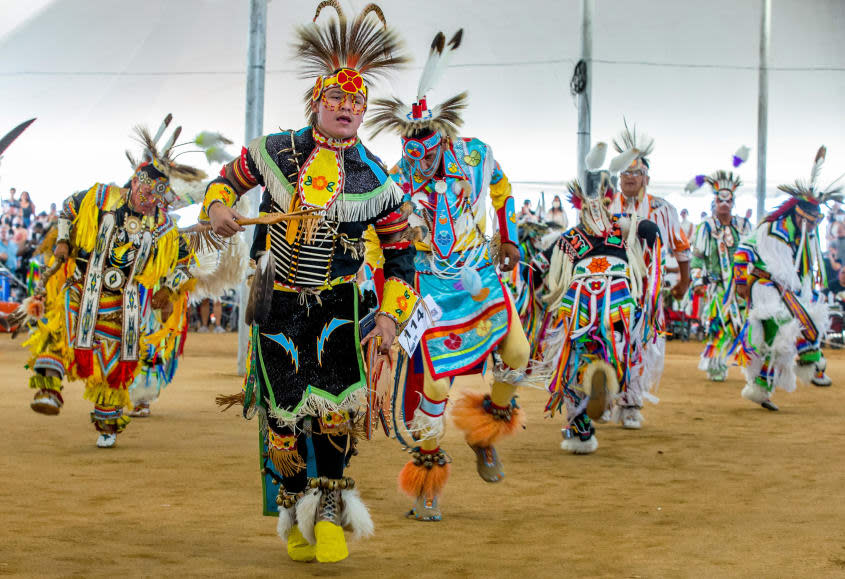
{"x":763,"y":107}
{"x":584,"y":99}
{"x":255,"y":62}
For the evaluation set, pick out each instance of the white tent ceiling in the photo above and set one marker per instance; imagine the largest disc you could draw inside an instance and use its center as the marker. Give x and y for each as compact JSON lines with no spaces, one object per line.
{"x":683,"y":70}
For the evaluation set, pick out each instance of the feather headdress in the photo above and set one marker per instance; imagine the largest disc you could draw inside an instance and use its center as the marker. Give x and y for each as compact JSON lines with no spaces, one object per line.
{"x":177,"y":183}
{"x":809,"y":191}
{"x":598,"y":183}
{"x":162,"y":158}
{"x":445,"y":118}
{"x":344,"y":54}
{"x":629,"y":140}
{"x":808,"y":196}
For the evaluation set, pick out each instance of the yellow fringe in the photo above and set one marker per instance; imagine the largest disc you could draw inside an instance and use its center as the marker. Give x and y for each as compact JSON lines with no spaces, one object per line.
{"x":164,"y":339}
{"x":50,"y":336}
{"x":164,"y":260}
{"x":87,"y":220}
{"x":98,"y":392}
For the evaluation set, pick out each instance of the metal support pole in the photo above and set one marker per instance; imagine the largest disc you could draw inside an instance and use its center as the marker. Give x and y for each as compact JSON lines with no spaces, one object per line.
{"x":255,"y":69}
{"x":763,"y":107}
{"x":584,"y":99}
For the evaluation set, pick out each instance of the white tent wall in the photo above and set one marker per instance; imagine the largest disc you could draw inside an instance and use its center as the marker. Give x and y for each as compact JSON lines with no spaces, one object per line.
{"x":683,"y":71}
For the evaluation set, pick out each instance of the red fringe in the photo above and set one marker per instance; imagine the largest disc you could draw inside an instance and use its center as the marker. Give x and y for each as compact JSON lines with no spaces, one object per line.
{"x":781,"y":210}
{"x":122,"y":375}
{"x":182,"y":341}
{"x":84,"y":360}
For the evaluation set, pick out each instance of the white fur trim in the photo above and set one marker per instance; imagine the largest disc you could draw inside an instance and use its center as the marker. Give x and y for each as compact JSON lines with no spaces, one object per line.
{"x":355,"y":516}
{"x":577,"y":446}
{"x":755,"y":393}
{"x":631,"y":418}
{"x":777,"y":255}
{"x":805,"y":372}
{"x":285,"y":523}
{"x":611,"y":382}
{"x":306,"y":514}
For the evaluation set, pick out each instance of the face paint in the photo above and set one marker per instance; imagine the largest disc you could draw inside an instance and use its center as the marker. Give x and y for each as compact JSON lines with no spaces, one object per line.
{"x":153,"y":190}
{"x":413,"y":150}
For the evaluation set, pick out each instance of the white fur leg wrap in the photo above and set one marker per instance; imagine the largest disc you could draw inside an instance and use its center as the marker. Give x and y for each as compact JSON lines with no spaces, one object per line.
{"x":285,"y":524}
{"x":755,"y":393}
{"x":306,"y":514}
{"x":355,"y":516}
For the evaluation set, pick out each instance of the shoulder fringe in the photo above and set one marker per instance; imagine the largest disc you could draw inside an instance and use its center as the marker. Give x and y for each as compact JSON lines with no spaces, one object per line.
{"x":344,"y":210}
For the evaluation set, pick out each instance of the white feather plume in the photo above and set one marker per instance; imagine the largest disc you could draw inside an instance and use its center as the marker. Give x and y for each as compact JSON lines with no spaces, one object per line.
{"x":692,"y":186}
{"x":162,"y":128}
{"x":595,"y":158}
{"x":817,"y":166}
{"x":623,"y":160}
{"x":742,"y":153}
{"x":438,"y":60}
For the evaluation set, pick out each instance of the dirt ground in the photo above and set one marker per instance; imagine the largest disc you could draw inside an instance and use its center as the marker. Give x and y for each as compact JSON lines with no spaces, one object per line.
{"x":712,"y":486}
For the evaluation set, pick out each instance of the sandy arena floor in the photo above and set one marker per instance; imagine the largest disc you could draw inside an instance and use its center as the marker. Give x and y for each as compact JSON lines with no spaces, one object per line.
{"x":712,"y":486}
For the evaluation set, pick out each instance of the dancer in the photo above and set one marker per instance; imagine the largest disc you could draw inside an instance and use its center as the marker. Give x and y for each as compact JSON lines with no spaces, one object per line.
{"x":596,"y":278}
{"x":447,"y":178}
{"x":716,"y":240}
{"x":779,"y":269}
{"x":322,"y":190}
{"x":118,"y":253}
{"x":633,"y":198}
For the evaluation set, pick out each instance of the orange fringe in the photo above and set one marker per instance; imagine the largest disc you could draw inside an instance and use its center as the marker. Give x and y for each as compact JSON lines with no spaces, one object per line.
{"x":480,"y":428}
{"x":416,"y":480}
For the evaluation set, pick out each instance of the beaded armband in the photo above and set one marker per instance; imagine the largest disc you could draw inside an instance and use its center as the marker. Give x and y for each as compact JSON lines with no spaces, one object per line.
{"x":398,"y":300}
{"x":217,"y":192}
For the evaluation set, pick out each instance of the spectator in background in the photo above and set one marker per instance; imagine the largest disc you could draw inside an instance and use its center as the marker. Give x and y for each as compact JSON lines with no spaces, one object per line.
{"x":8,"y":249}
{"x":205,"y":306}
{"x":9,"y":201}
{"x":556,"y":214}
{"x":703,"y":216}
{"x":748,"y":215}
{"x":834,"y":270}
{"x":686,"y":225}
{"x":27,"y":208}
{"x":526,"y":214}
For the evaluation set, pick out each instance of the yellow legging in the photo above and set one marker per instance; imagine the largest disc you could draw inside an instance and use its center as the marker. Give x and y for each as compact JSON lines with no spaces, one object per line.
{"x":513,"y":349}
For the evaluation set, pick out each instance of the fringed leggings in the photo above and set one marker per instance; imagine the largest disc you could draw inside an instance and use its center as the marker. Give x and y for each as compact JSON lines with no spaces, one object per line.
{"x":310,"y":452}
